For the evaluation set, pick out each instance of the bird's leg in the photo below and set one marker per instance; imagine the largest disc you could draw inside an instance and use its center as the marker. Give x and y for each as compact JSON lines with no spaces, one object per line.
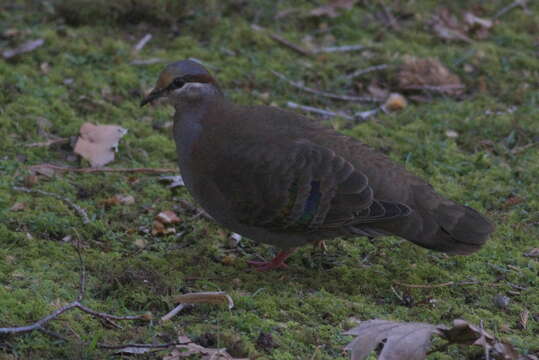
{"x":276,"y":263}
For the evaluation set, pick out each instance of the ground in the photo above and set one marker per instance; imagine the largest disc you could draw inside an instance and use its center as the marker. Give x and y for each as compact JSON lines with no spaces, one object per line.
{"x":89,"y":77}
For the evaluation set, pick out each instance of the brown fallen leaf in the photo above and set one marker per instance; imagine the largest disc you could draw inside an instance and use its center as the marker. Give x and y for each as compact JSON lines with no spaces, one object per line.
{"x":447,"y":26}
{"x":98,"y":143}
{"x":158,"y":228}
{"x":405,"y":341}
{"x":188,"y":349}
{"x":395,"y":102}
{"x":210,"y":297}
{"x":168,"y":217}
{"x":18,"y":206}
{"x":478,"y":27}
{"x":428,"y":74}
{"x":119,"y":199}
{"x":332,"y":7}
{"x":523,"y":321}
{"x":24,"y":48}
{"x":532,"y":253}
{"x":411,"y":341}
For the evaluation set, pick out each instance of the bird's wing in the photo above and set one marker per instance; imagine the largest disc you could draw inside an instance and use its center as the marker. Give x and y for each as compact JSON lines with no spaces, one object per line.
{"x":297,"y":185}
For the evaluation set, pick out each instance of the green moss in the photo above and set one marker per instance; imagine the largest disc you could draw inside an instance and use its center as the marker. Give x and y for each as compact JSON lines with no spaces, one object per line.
{"x":88,"y":49}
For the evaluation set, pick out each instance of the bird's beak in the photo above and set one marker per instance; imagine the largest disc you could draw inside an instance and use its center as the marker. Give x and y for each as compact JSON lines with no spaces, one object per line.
{"x":154,"y":94}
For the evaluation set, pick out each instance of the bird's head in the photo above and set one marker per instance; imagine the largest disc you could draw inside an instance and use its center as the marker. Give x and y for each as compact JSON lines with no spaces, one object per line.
{"x":183,"y":82}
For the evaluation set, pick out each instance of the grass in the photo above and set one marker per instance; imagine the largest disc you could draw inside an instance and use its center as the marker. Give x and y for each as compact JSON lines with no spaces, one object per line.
{"x":306,"y":307}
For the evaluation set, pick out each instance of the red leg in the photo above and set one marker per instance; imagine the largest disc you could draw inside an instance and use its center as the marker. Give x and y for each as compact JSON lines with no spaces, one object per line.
{"x":276,"y":263}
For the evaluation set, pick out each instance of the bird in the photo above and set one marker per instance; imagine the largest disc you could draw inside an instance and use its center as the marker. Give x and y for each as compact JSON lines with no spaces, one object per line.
{"x":283,"y":179}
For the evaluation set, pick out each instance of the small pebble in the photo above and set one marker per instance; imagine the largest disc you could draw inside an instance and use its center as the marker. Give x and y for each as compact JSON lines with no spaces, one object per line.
{"x":501,"y":301}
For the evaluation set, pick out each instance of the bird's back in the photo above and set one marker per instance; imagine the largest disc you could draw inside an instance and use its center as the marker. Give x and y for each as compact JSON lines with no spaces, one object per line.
{"x":267,"y":133}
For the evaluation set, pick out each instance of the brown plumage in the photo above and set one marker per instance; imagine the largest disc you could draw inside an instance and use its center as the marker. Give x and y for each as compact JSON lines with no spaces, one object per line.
{"x":283,"y":179}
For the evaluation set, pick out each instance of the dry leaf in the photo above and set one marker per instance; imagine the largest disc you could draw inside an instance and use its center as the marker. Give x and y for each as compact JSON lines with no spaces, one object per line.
{"x":140,"y":243}
{"x":188,"y":349}
{"x":42,"y":169}
{"x":512,"y":201}
{"x":18,"y":206}
{"x":24,"y":48}
{"x":377,"y":92}
{"x":97,"y":143}
{"x":395,"y":102}
{"x":175,"y":180}
{"x":330,"y":10}
{"x":428,"y":74}
{"x":532,"y":253}
{"x":119,"y":199}
{"x":452,"y":134}
{"x":523,"y":321}
{"x":405,"y":341}
{"x":158,"y":228}
{"x":211,"y":297}
{"x":477,"y":26}
{"x":168,"y":217}
{"x":410,"y":341}
{"x":448,"y":27}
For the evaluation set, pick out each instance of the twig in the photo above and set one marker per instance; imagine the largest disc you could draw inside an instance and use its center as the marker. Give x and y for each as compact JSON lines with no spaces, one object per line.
{"x":198,"y":211}
{"x":485,"y":347}
{"x":344,"y":48}
{"x":360,"y":72}
{"x":364,"y":115}
{"x":140,"y":45}
{"x":436,"y":88}
{"x":103,"y":169}
{"x":48,"y":142}
{"x":82,"y":279}
{"x":522,"y":148}
{"x":510,"y":7}
{"x":399,"y":296}
{"x":109,"y":346}
{"x":278,"y":38}
{"x":449,"y":283}
{"x":173,"y":312}
{"x":314,"y":110}
{"x":82,"y":213}
{"x":325,"y":93}
{"x":149,"y":61}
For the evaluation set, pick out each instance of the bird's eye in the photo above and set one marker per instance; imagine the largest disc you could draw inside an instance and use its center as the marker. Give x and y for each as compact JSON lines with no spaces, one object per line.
{"x":178,"y":83}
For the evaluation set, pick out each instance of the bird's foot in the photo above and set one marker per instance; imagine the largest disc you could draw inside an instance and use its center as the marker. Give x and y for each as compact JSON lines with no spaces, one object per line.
{"x":276,"y":263}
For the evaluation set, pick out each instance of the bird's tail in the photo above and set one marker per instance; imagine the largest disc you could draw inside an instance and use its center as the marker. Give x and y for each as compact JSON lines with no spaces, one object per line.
{"x":440,"y":224}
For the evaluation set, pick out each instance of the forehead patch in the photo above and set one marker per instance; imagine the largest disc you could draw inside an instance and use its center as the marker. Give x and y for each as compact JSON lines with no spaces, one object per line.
{"x":164,"y":80}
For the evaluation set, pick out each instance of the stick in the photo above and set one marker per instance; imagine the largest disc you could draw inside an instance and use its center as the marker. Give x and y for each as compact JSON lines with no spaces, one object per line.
{"x":198,"y":211}
{"x":449,"y":283}
{"x":173,"y":312}
{"x":48,"y":143}
{"x":278,"y":38}
{"x":510,"y":7}
{"x":112,"y":347}
{"x":344,"y":48}
{"x":324,"y":93}
{"x":441,"y":88}
{"x":485,"y":348}
{"x":103,"y":169}
{"x":82,"y":213}
{"x":323,"y":112}
{"x":140,"y":45}
{"x":149,"y":61}
{"x":360,"y":72}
